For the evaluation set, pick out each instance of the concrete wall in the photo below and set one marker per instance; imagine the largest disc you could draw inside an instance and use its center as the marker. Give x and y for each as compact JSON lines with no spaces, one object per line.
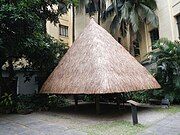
{"x":167,"y":10}
{"x":28,"y":87}
{"x":53,"y":29}
{"x":175,"y":11}
{"x":82,"y":19}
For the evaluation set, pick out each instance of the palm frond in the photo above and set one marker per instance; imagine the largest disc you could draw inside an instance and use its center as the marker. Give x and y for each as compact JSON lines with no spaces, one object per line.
{"x":108,"y":12}
{"x":141,"y":13}
{"x":134,"y":20}
{"x":114,"y":2}
{"x":123,"y":28}
{"x":81,"y":5}
{"x":150,"y":3}
{"x":151,"y":17}
{"x":125,"y":10}
{"x":114,"y":24}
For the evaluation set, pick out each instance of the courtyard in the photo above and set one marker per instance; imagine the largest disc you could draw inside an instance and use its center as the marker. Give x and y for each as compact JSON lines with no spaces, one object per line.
{"x":90,"y":67}
{"x":84,"y":121}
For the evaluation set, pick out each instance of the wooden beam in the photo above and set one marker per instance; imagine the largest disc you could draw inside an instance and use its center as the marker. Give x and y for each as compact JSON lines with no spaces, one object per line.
{"x":97,"y":100}
{"x":118,"y":101}
{"x":123,"y":99}
{"x":76,"y":101}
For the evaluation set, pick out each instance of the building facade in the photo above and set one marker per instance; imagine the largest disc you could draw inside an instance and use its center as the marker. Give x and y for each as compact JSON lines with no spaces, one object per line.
{"x":169,"y":27}
{"x":169,"y":17}
{"x":63,"y":30}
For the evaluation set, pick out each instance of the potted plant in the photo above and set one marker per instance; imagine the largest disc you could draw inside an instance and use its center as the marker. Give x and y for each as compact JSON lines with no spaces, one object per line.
{"x":6,"y":103}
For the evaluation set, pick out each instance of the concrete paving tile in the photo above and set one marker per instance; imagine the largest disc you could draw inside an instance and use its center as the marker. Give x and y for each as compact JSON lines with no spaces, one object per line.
{"x":31,"y":132}
{"x":168,"y":126}
{"x":73,"y":132}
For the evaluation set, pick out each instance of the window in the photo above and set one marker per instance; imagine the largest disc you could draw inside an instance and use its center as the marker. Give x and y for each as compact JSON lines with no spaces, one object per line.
{"x":154,"y":35}
{"x":91,"y":7}
{"x":119,"y":40}
{"x":63,"y":30}
{"x":178,"y":24}
{"x":136,"y":48}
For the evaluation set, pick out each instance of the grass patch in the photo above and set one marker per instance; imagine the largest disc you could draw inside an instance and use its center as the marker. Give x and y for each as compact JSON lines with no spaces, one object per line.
{"x":114,"y":128}
{"x":172,"y":109}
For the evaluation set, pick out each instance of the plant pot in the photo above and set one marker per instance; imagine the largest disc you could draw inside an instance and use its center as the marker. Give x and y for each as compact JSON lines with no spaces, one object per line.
{"x":25,"y":111}
{"x":165,"y":102}
{"x":5,"y":111}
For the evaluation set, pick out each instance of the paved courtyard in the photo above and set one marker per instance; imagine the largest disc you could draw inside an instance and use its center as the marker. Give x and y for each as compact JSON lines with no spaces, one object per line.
{"x":167,"y":126}
{"x":72,"y":123}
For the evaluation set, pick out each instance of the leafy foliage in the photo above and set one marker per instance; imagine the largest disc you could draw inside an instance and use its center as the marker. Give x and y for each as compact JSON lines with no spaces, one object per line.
{"x":167,"y":59}
{"x":48,"y":51}
{"x":133,"y":13}
{"x":6,"y":103}
{"x":142,"y":96}
{"x":56,"y":101}
{"x":23,"y":34}
{"x":92,"y":6}
{"x":128,"y":16}
{"x":28,"y":103}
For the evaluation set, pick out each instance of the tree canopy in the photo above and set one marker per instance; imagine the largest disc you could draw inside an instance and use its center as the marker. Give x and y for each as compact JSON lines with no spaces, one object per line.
{"x":23,"y":33}
{"x":129,"y":15}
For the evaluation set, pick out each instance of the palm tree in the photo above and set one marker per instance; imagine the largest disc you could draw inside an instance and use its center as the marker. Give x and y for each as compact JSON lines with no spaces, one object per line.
{"x":131,"y":14}
{"x":93,"y":6}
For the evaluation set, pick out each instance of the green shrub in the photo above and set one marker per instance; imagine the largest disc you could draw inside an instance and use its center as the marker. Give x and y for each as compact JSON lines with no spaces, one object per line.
{"x":167,"y":58}
{"x":39,"y":102}
{"x":142,"y":96}
{"x":6,"y":103}
{"x":88,"y":98}
{"x":20,"y":107}
{"x":56,"y":101}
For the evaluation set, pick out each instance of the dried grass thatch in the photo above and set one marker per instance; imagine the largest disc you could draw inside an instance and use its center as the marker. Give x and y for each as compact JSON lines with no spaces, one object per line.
{"x":97,"y":64}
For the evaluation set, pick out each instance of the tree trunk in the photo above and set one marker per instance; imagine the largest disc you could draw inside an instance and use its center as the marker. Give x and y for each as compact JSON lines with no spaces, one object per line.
{"x":99,"y":12}
{"x":73,"y":23}
{"x":97,"y":103}
{"x":44,"y":21}
{"x":3,"y":86}
{"x":44,"y":27}
{"x":1,"y":81}
{"x":131,"y":42}
{"x":11,"y":88}
{"x":11,"y":68}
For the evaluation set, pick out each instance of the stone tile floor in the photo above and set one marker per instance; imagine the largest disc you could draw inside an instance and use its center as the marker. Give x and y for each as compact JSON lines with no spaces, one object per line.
{"x":168,"y":126}
{"x":70,"y":123}
{"x":35,"y":124}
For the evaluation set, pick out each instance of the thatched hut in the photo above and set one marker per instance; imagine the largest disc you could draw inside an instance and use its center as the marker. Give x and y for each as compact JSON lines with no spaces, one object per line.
{"x":97,"y":64}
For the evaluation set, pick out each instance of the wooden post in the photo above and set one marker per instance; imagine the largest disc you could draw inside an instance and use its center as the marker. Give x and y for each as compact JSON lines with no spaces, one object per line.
{"x":134,"y":106}
{"x":118,"y":101}
{"x":134,"y":114}
{"x":76,"y":101}
{"x":123,"y":99}
{"x":97,"y":100}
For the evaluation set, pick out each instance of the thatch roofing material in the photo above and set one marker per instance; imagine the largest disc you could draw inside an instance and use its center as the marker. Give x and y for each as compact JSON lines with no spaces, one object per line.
{"x":96,"y":64}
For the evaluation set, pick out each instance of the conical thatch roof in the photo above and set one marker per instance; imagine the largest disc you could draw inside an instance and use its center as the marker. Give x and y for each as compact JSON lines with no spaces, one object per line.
{"x":95,"y":64}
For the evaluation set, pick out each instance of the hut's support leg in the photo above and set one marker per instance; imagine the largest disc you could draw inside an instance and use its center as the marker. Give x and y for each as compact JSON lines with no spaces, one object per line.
{"x":123,"y":99}
{"x":118,"y":101}
{"x":76,"y":101}
{"x":134,"y":114}
{"x":97,"y":100}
